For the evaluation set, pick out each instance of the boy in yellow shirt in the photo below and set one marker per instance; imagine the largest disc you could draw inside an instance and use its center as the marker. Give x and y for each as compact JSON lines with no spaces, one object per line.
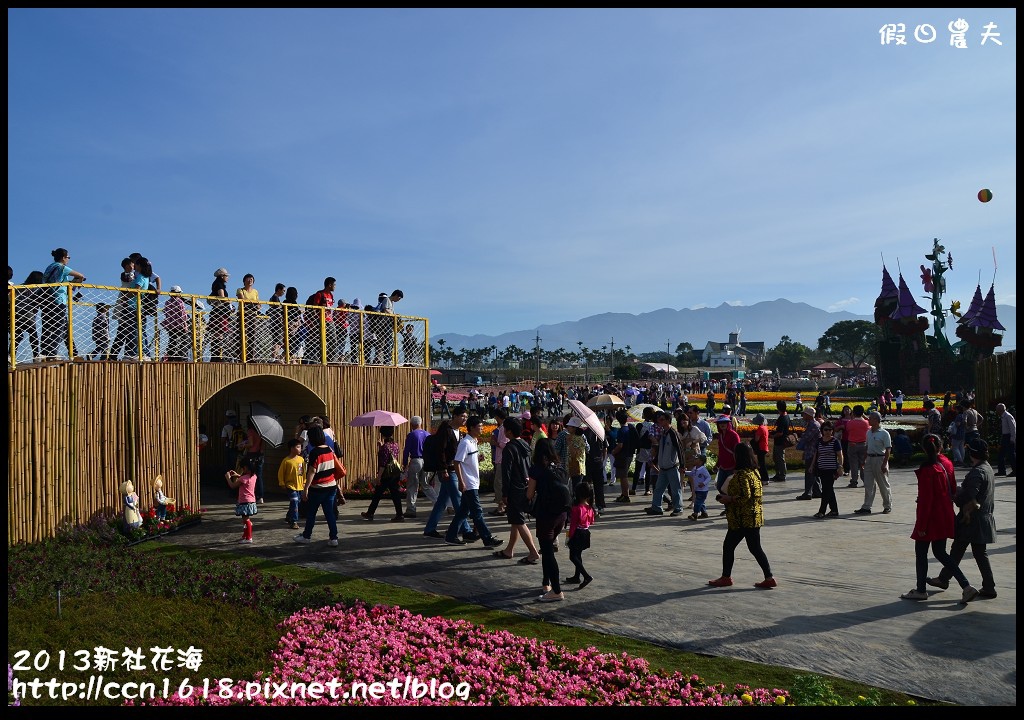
{"x":291,"y":477}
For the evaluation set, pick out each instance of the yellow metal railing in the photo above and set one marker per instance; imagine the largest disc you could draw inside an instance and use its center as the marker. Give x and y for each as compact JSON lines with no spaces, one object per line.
{"x":104,"y":323}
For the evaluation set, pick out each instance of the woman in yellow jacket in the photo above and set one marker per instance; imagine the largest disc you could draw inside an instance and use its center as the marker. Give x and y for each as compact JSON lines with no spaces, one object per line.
{"x":741,"y":495}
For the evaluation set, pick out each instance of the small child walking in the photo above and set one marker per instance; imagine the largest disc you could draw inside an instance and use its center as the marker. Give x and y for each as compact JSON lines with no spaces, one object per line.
{"x":246,"y":507}
{"x":580,"y":520}
{"x":701,"y":479}
{"x":291,"y":476}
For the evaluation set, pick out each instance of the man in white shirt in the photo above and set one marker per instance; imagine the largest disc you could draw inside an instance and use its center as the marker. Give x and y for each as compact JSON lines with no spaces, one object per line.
{"x":876,"y":466}
{"x":467,"y":469}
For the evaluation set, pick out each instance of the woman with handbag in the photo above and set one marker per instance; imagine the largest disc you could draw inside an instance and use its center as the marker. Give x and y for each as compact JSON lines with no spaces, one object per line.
{"x":389,"y":472}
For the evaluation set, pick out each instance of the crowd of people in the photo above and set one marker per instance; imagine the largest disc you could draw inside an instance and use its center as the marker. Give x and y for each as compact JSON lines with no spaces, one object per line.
{"x":555,"y":469}
{"x":234,"y":328}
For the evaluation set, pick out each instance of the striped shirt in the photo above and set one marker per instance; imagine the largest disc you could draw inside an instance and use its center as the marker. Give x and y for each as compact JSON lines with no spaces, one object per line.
{"x":827,"y":454}
{"x":321,"y":463}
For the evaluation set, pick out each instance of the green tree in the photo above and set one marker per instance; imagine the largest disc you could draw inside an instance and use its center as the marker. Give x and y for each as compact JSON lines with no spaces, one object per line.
{"x":850,"y":342}
{"x":440,"y":351}
{"x":787,"y":356}
{"x":626,"y":372}
{"x":685,"y":355}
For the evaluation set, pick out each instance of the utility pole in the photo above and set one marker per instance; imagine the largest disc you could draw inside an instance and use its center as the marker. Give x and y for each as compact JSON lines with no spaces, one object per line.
{"x":537,"y":339}
{"x":612,"y":361}
{"x":668,"y":344}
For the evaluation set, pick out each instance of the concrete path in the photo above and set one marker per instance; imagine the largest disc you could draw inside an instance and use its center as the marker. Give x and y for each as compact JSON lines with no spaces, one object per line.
{"x":837,"y":609}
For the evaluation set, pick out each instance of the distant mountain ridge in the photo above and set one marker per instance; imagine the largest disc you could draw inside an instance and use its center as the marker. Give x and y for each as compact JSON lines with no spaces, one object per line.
{"x":765,"y":322}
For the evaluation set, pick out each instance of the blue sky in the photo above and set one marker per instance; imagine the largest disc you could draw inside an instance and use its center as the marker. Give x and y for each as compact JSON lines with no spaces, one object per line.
{"x":508,"y":168}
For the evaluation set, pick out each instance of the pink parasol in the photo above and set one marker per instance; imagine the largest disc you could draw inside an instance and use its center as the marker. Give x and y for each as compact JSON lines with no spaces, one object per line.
{"x":378,"y":418}
{"x":588,"y":416}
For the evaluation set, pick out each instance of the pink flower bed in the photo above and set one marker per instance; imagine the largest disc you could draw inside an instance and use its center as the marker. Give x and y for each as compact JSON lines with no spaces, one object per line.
{"x":452,"y":396}
{"x":375,"y":644}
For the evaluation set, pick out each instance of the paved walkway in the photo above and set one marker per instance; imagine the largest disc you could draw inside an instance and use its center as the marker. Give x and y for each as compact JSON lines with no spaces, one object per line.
{"x":836,"y":611}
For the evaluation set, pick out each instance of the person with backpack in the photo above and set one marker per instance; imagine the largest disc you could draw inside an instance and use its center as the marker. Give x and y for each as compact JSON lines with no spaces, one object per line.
{"x":55,"y":306}
{"x":644,"y":442}
{"x":548,"y":490}
{"x":515,"y":470}
{"x":625,"y":448}
{"x":666,"y":462}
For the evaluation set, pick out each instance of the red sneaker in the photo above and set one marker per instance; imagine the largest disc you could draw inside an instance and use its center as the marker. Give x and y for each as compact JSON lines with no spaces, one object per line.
{"x":766,"y":584}
{"x":721,"y":582}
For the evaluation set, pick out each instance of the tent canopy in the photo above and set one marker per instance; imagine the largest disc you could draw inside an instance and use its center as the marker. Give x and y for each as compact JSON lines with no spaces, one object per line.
{"x":658,"y":367}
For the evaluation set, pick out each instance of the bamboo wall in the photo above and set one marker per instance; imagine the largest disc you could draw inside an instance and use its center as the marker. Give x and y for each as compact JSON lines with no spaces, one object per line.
{"x":77,"y":430}
{"x":995,"y":381}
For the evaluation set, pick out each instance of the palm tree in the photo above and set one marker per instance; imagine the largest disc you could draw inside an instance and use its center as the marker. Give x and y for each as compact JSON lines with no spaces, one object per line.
{"x":493,"y":349}
{"x":441,"y":352}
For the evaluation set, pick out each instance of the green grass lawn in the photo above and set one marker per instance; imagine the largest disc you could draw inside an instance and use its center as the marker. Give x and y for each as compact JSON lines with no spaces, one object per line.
{"x":151,"y":595}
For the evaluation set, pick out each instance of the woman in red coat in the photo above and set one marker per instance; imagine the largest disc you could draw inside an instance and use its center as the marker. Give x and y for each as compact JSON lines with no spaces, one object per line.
{"x":935,"y":522}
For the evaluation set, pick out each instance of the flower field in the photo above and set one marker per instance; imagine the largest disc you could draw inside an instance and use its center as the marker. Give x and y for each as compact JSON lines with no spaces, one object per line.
{"x":362,"y":644}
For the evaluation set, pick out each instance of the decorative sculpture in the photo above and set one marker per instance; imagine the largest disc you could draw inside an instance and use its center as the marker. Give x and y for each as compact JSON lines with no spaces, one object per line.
{"x":161,"y":501}
{"x":130,"y":500}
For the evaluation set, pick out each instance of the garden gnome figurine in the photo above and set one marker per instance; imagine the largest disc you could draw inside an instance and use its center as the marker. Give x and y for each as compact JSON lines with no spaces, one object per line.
{"x":161,"y":501}
{"x":132,"y":514}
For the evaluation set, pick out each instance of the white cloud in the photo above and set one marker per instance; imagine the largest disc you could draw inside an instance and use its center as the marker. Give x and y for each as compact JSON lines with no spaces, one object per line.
{"x":843,"y":304}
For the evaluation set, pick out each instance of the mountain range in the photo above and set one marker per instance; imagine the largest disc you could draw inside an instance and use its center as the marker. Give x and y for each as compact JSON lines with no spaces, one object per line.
{"x":653,"y":331}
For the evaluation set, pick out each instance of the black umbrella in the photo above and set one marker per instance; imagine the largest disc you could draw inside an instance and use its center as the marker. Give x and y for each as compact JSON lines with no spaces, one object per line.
{"x":267,"y":423}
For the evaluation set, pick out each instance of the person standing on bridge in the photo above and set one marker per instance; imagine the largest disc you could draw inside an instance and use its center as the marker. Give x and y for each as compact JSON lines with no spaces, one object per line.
{"x":55,"y":307}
